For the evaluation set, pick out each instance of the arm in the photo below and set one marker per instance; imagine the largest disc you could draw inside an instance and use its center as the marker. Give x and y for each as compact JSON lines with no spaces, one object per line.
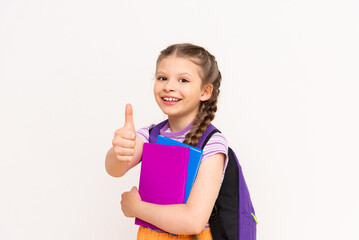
{"x":189,"y":218}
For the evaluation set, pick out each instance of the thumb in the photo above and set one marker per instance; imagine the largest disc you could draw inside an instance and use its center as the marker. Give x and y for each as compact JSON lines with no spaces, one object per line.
{"x":134,"y":188}
{"x":129,"y":117}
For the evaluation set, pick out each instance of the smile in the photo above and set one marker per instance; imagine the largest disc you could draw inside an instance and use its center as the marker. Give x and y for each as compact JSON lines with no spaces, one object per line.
{"x":170,"y":99}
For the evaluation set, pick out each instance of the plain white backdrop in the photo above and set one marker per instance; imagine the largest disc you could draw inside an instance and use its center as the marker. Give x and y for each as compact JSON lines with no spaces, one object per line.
{"x":288,"y":106}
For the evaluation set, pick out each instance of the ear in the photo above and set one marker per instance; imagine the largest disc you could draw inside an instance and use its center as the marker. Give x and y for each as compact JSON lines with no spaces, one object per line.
{"x":206,"y":92}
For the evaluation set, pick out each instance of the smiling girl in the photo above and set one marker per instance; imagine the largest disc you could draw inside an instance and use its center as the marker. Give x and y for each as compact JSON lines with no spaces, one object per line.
{"x":186,"y":89}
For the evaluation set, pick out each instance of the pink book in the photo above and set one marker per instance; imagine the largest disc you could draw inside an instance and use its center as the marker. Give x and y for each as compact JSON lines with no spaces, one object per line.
{"x":163,"y":175}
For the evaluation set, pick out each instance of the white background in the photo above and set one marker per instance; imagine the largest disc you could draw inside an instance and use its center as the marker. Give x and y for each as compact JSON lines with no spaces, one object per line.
{"x":288,"y":106}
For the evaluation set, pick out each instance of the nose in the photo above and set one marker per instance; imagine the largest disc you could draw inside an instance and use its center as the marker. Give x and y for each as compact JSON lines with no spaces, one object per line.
{"x":171,"y":85}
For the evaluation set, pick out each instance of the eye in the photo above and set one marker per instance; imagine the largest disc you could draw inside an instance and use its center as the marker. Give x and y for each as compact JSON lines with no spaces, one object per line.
{"x":183,"y":80}
{"x":161,"y":78}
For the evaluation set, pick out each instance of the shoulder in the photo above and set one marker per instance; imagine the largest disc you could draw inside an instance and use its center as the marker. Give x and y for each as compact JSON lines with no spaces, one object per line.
{"x":217,"y":139}
{"x":216,"y":144}
{"x":144,"y":132}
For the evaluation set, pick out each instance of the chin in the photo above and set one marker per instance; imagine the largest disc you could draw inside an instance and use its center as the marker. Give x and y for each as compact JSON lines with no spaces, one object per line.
{"x":170,"y":113}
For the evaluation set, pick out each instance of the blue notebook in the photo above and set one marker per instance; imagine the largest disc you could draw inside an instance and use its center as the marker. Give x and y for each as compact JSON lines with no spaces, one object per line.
{"x":194,"y":160}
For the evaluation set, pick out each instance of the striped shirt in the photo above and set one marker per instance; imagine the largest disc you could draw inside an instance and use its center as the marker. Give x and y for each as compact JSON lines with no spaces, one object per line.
{"x":216,"y":144}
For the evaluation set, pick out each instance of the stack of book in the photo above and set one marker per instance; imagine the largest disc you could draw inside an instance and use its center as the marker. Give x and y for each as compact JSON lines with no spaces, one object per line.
{"x":168,"y":171}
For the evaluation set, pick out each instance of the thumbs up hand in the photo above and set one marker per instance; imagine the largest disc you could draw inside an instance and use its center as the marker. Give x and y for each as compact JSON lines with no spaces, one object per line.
{"x":125,"y":138}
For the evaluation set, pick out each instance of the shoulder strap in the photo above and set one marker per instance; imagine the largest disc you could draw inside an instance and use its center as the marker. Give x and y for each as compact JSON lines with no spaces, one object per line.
{"x":154,"y":132}
{"x":206,"y":136}
{"x":217,"y":228}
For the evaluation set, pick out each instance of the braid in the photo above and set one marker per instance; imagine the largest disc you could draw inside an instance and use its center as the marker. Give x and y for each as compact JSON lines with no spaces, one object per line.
{"x":200,"y":125}
{"x":207,"y":108}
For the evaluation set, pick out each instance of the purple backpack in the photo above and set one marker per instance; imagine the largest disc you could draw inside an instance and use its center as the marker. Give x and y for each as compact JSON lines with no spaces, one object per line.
{"x":233,"y":216}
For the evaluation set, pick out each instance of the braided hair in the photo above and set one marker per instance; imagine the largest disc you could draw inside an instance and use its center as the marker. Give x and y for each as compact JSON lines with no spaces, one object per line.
{"x":209,"y":74}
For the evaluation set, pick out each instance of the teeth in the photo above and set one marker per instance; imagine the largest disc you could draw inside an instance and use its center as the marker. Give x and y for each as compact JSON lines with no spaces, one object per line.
{"x":171,"y":99}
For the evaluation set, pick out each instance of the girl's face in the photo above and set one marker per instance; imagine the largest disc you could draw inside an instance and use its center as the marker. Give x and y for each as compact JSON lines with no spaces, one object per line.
{"x":178,"y":88}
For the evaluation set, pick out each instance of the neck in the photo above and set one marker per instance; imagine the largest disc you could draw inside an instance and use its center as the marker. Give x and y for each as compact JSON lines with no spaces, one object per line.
{"x":177,"y":124}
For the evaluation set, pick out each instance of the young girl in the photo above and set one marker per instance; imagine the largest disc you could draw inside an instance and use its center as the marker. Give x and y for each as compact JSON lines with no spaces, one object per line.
{"x":186,"y":89}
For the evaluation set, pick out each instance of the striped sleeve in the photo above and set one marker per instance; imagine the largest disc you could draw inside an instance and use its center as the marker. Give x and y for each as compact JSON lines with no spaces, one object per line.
{"x":144,"y":133}
{"x":216,"y":144}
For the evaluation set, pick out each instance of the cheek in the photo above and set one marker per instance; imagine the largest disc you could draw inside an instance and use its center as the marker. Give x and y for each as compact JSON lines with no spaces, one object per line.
{"x":156,"y":92}
{"x":194,"y":92}
{"x":155,"y":88}
{"x":158,"y":85}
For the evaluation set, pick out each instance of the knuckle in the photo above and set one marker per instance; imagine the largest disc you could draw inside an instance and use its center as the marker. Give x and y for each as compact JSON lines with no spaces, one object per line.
{"x":116,"y":151}
{"x":129,"y":135}
{"x":120,"y":132}
{"x":115,"y":142}
{"x":126,"y":152}
{"x":124,"y":158}
{"x":122,"y":152}
{"x":117,"y":132}
{"x":132,"y":152}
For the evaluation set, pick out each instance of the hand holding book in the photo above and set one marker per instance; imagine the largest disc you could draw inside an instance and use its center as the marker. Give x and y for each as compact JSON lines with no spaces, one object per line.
{"x":128,"y":202}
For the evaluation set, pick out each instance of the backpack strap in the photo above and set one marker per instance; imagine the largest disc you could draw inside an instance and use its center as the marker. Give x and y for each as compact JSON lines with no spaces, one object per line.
{"x":206,"y":136}
{"x":217,"y":229}
{"x":155,"y":131}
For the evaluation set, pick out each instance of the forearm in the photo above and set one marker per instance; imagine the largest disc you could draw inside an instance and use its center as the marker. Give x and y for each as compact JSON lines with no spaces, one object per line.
{"x":176,"y":219}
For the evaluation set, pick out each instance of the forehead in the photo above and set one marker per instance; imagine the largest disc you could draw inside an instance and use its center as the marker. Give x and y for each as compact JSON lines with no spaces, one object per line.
{"x":176,"y":64}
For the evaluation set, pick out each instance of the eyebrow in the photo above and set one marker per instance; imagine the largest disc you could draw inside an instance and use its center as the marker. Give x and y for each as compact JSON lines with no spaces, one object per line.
{"x":183,"y":73}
